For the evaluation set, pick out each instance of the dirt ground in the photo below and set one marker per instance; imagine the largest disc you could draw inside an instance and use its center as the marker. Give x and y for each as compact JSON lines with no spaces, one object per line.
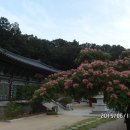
{"x":41,"y":122}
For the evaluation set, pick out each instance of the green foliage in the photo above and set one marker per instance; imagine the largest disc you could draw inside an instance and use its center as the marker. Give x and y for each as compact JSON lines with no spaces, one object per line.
{"x":125,"y":53}
{"x":115,"y":50}
{"x":78,"y":77}
{"x":36,"y":105}
{"x":88,"y":123}
{"x":65,"y":100}
{"x":90,"y":55}
{"x":58,"y":53}
{"x":120,"y":103}
{"x":91,"y":78}
{"x":25,"y":92}
{"x":51,"y":113}
{"x":13,"y":110}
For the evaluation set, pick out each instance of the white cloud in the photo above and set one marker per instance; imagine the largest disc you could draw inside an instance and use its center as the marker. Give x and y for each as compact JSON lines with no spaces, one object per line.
{"x":102,"y":22}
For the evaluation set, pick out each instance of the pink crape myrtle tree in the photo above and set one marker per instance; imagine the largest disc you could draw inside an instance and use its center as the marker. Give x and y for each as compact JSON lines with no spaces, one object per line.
{"x":112,"y":78}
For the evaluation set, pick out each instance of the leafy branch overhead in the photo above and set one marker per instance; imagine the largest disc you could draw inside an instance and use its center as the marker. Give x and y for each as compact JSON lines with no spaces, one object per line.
{"x":112,"y":78}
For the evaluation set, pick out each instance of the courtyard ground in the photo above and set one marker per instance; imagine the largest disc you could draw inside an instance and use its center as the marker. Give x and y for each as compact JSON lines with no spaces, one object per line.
{"x":54,"y":122}
{"x":44,"y":122}
{"x":40,"y":122}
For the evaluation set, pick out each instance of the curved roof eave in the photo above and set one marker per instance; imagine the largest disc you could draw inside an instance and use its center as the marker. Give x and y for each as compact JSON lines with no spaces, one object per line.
{"x":31,"y":62}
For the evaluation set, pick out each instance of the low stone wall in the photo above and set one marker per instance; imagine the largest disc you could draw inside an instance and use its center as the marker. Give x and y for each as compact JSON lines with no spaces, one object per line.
{"x":25,"y":106}
{"x":3,"y":104}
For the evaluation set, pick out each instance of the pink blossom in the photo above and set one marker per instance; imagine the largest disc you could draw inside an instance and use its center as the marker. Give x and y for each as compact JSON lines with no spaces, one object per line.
{"x":109,"y":89}
{"x":116,"y":81}
{"x":89,"y":85}
{"x":52,"y":82}
{"x":85,"y":81}
{"x":105,"y":74}
{"x":60,"y":78}
{"x":114,"y":96}
{"x":85,"y":74}
{"x":90,"y":70}
{"x":98,"y":63}
{"x":68,"y":83}
{"x":83,"y":65}
{"x":41,"y":94}
{"x":43,"y":89}
{"x":128,"y":94}
{"x":125,"y":74}
{"x":110,"y":83}
{"x":123,"y":87}
{"x":75,"y":85}
{"x":96,"y":73}
{"x":126,"y":62}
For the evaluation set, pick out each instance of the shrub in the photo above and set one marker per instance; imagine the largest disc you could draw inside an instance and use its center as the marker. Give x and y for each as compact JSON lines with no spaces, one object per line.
{"x":65,"y":100}
{"x":24,"y":92}
{"x":36,"y":105}
{"x":112,"y":78}
{"x":13,"y":110}
{"x":51,"y":113}
{"x":92,"y":54}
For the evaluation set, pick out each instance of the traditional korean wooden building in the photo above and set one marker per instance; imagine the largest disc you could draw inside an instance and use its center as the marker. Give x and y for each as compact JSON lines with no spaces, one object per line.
{"x":16,"y":70}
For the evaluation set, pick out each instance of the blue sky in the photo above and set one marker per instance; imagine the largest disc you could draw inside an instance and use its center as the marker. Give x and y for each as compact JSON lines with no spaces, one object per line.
{"x":94,"y":21}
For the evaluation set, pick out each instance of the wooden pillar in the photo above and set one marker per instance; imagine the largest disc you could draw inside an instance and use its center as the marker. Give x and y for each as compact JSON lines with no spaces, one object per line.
{"x":10,"y":89}
{"x":90,"y":102}
{"x":11,"y":72}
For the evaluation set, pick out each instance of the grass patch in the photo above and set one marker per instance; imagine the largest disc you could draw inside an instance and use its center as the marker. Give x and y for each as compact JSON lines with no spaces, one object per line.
{"x":96,"y":123}
{"x":78,"y":123}
{"x":51,"y":113}
{"x":5,"y":118}
{"x":91,"y":122}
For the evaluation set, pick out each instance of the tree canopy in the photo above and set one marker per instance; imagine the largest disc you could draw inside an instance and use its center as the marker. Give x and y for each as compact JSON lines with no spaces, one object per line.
{"x":58,"y":53}
{"x":112,"y":78}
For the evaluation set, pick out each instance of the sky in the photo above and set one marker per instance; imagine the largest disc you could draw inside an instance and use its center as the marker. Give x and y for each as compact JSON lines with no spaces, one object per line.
{"x":93,"y":21}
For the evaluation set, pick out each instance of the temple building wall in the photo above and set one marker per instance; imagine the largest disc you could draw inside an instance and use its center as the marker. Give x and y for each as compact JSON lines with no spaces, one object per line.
{"x":16,"y":72}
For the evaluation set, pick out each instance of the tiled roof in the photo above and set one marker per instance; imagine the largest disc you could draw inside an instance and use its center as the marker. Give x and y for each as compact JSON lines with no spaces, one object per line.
{"x":31,"y":62}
